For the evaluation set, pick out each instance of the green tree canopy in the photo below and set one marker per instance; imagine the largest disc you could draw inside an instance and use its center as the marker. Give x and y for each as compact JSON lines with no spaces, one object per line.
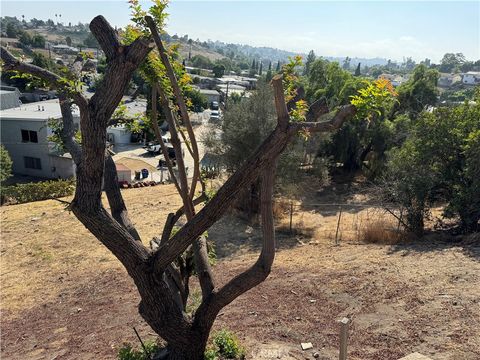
{"x":439,"y":162}
{"x":218,"y":70}
{"x":419,"y":91}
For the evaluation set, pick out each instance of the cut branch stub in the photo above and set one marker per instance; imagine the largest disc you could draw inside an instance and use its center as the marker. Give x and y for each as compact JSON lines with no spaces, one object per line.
{"x":280,"y":105}
{"x":106,"y":36}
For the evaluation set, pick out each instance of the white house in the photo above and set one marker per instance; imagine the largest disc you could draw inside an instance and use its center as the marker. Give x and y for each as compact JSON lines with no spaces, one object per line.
{"x":471,"y":78}
{"x":211,"y":95}
{"x":25,"y":132}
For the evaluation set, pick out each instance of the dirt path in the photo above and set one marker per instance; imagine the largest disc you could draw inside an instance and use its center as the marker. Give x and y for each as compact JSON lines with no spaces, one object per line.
{"x":64,"y":296}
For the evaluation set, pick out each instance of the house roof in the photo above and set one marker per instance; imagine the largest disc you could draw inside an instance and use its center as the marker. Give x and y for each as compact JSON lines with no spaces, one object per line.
{"x":121,"y":167}
{"x":209,"y":92}
{"x":48,"y":109}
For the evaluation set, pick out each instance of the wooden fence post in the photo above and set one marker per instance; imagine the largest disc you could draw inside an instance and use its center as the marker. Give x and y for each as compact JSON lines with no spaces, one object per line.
{"x":291,"y":216}
{"x":344,"y":323}
{"x":338,"y":225}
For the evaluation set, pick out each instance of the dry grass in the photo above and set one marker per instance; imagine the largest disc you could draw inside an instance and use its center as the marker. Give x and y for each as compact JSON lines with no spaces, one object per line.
{"x":51,"y":266}
{"x":380,"y":232}
{"x":42,"y":238}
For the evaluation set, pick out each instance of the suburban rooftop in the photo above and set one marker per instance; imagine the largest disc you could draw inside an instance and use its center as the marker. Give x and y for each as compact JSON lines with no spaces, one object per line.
{"x":48,"y":109}
{"x":51,"y":109}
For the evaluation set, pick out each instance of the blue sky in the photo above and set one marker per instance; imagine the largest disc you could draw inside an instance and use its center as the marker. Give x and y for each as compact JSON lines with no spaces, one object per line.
{"x":389,"y":29}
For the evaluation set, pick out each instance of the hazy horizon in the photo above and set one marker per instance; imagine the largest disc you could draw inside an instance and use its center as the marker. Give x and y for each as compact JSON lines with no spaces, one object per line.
{"x":380,"y":29}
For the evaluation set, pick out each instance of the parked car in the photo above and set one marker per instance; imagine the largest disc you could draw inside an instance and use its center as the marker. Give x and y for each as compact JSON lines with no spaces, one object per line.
{"x":214,"y":116}
{"x":155,"y":148}
{"x":214,"y":105}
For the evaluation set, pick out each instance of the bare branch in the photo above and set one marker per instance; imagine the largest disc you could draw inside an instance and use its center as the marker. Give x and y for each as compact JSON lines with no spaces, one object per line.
{"x":203,"y":267}
{"x":158,"y":135}
{"x":183,"y":192}
{"x":282,"y":112}
{"x":68,"y":130}
{"x":335,"y":123}
{"x":179,"y":99}
{"x":61,"y":201}
{"x":172,"y":218}
{"x":261,"y":269}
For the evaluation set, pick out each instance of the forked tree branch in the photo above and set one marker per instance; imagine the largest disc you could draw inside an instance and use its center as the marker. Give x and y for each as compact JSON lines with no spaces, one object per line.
{"x":202,"y":264}
{"x":269,"y":150}
{"x":261,"y":269}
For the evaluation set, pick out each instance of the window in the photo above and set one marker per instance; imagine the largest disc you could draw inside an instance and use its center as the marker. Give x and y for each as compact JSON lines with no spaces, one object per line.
{"x":32,"y":163}
{"x":29,"y":136}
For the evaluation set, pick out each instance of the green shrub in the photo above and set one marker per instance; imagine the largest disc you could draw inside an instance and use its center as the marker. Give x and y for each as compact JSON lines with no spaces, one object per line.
{"x":211,"y":354}
{"x":227,"y":345}
{"x":127,"y":352}
{"x":23,"y":193}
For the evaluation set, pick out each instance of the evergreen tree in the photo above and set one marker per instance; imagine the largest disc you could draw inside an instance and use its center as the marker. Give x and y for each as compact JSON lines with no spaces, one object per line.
{"x":278,"y":67}
{"x":310,"y":59}
{"x":357,"y":70}
{"x":260,"y":69}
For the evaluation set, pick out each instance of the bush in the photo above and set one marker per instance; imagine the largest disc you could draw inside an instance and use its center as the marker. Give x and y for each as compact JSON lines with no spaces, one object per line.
{"x":127,"y":352}
{"x":226,"y":346}
{"x":439,"y":163}
{"x":23,"y":193}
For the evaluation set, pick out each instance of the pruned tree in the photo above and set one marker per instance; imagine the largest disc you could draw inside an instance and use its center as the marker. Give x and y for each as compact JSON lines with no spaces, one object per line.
{"x":161,"y":272}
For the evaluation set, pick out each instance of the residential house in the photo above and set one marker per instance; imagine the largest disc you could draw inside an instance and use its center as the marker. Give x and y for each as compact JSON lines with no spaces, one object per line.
{"x":65,"y":49}
{"x":211,"y":95}
{"x":447,"y":80}
{"x":395,"y":79}
{"x":25,"y":134}
{"x":471,"y":78}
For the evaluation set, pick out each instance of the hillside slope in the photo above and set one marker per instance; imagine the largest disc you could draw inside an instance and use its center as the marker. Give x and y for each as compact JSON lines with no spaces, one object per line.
{"x":65,"y":297}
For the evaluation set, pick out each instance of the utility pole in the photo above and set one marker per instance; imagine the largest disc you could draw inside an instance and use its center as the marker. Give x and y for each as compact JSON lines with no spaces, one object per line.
{"x":226,"y":96}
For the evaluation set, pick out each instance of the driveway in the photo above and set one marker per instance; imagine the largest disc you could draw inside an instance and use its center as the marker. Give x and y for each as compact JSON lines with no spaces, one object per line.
{"x":144,"y":159}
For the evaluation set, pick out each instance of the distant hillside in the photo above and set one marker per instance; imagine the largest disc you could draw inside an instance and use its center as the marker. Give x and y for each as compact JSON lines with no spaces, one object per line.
{"x":218,"y":49}
{"x":197,"y":49}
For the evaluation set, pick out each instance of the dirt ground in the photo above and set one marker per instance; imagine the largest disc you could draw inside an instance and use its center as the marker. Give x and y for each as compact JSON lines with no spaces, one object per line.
{"x":63,"y":296}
